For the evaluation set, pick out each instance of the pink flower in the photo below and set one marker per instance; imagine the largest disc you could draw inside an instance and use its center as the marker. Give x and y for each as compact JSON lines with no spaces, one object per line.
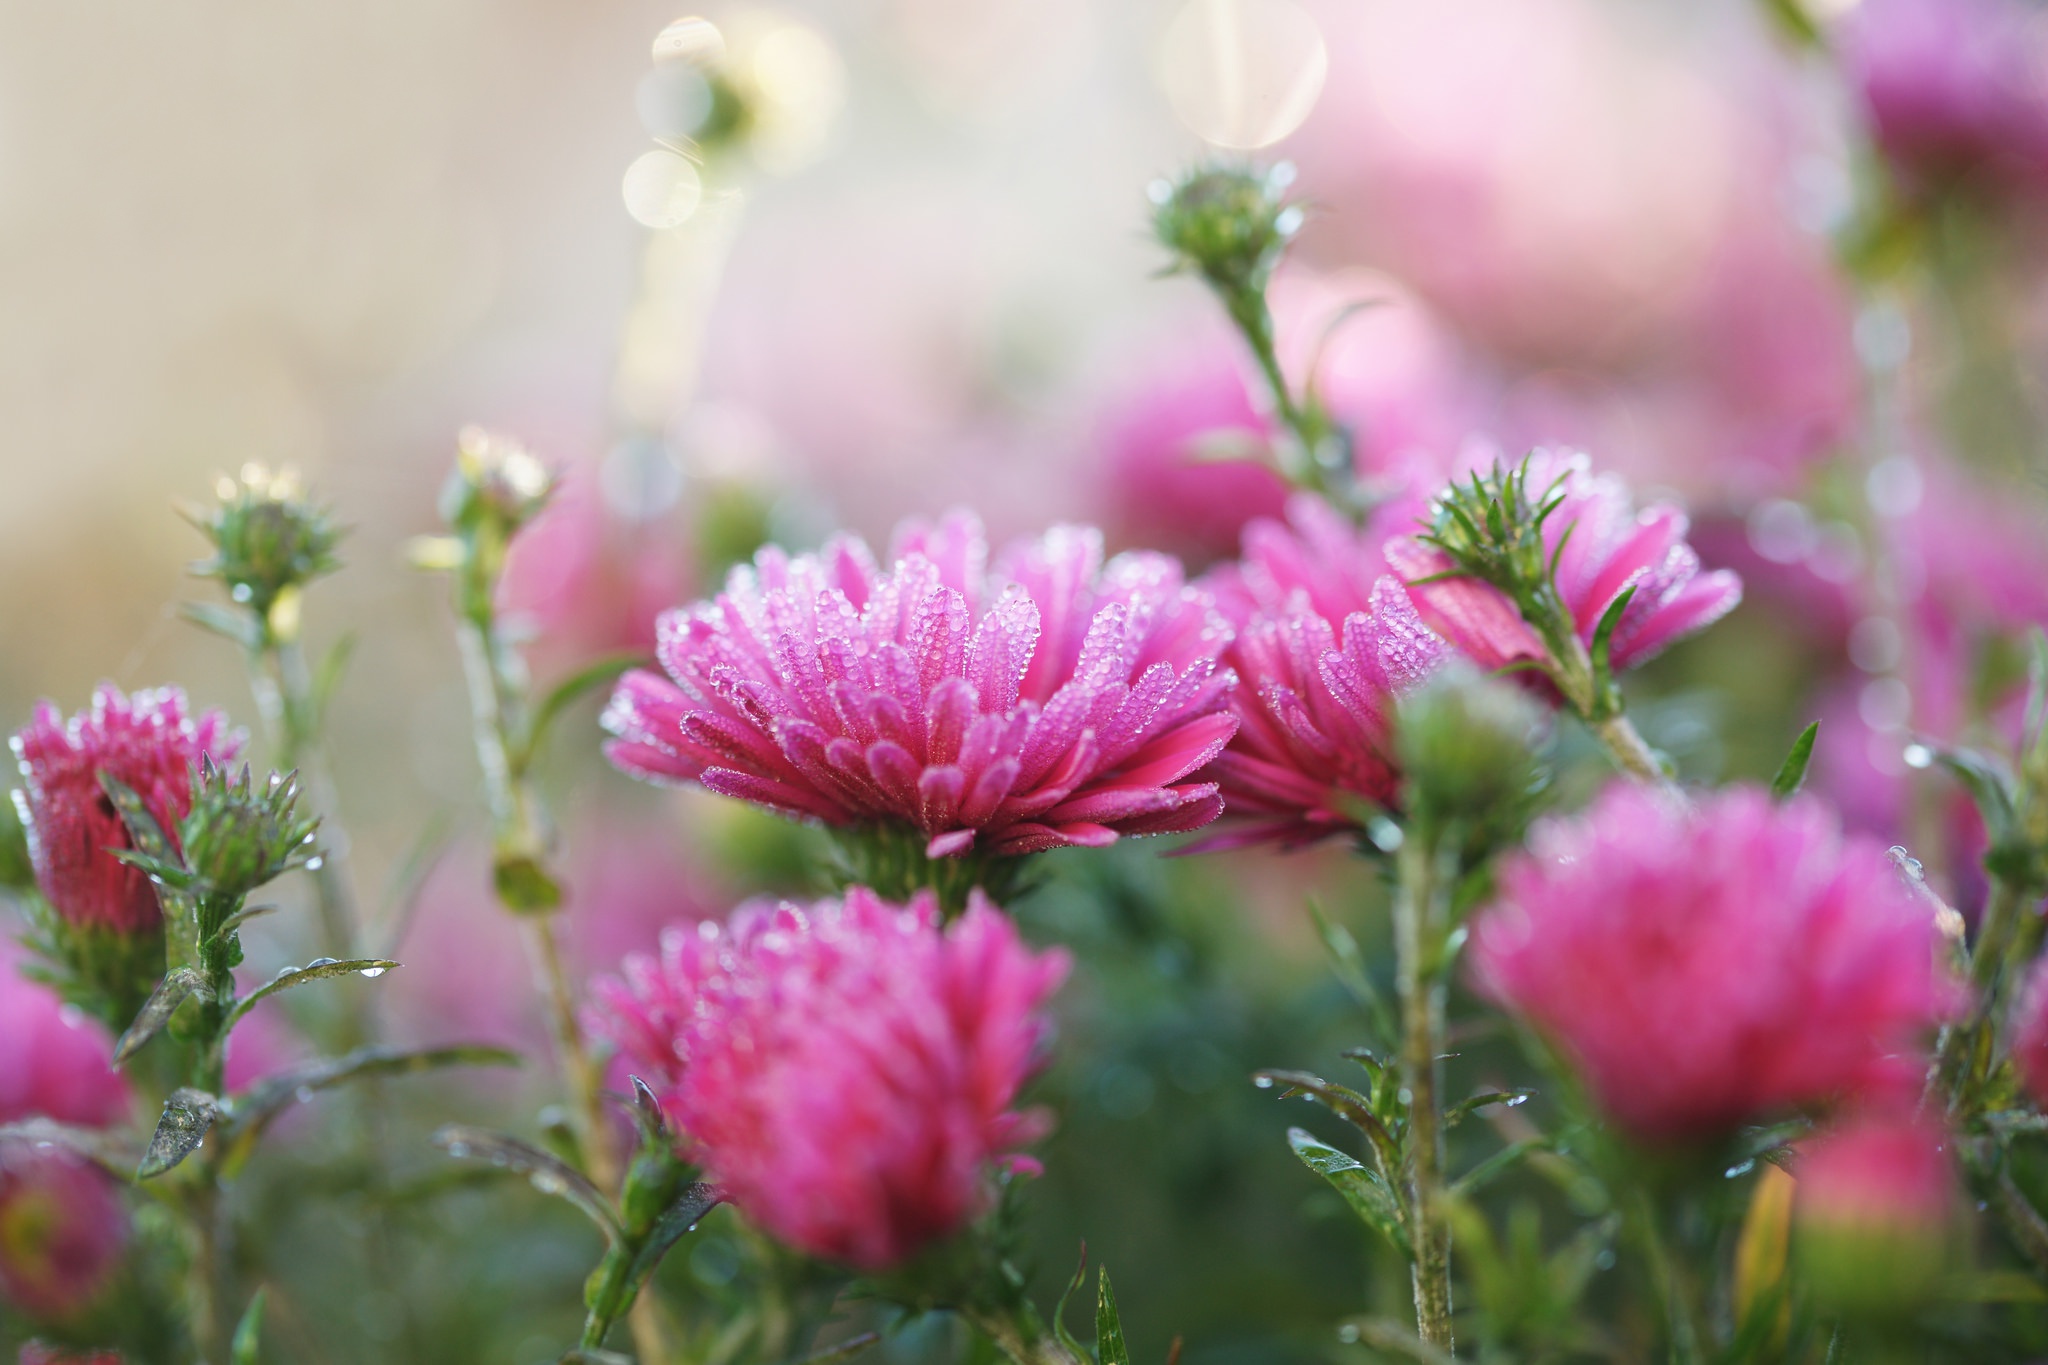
{"x":1055,"y":701}
{"x":62,"y":1230}
{"x":1611,"y":548}
{"x":1953,"y":87}
{"x":54,"y":1062}
{"x":1707,"y":966}
{"x":1326,"y":643}
{"x":844,"y":1071}
{"x":41,"y":1353}
{"x":2030,"y":1033}
{"x":150,"y":742}
{"x":1878,"y":1173}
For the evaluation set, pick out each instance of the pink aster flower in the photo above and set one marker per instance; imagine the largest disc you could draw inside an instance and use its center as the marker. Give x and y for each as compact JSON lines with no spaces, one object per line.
{"x":1054,"y":701}
{"x":844,"y":1071}
{"x":42,"y":1353}
{"x":2030,"y":1033}
{"x":62,"y":1230}
{"x":54,"y":1062}
{"x":1878,"y":1173}
{"x":151,"y":742}
{"x":1707,"y":966}
{"x":1611,"y":547}
{"x":1326,"y":643}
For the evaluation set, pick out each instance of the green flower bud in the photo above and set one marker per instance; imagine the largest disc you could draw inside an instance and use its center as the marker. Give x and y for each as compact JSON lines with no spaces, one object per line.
{"x":269,"y":541}
{"x":1231,"y":226}
{"x":496,"y":482}
{"x":1467,"y":745}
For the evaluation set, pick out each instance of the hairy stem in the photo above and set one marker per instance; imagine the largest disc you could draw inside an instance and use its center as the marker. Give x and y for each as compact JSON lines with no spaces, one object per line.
{"x":283,"y":685}
{"x":1630,"y":752}
{"x":1418,"y":929}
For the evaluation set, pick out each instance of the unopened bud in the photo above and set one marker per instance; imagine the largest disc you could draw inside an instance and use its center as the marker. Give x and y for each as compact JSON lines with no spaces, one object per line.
{"x":495,"y":479}
{"x":240,"y":835}
{"x":1231,"y":226}
{"x":1876,"y":1215}
{"x":269,"y":538}
{"x":1467,"y":745}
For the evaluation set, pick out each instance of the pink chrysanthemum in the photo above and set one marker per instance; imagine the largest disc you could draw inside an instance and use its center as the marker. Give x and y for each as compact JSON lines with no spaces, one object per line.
{"x":1707,"y":966}
{"x":1055,"y":701}
{"x":844,"y":1071}
{"x":149,"y":741}
{"x":62,"y":1230}
{"x":54,"y":1062}
{"x":1611,"y":548}
{"x":1326,"y":642}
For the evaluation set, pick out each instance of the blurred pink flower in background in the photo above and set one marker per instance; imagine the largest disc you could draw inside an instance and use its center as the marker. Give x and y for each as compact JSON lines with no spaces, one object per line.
{"x":41,"y":1353}
{"x":149,"y":741}
{"x":1954,"y":88}
{"x":1387,"y":371}
{"x":1608,"y":547}
{"x":1326,"y":643}
{"x":62,"y":1229}
{"x":2030,"y":1032}
{"x":1705,"y":966}
{"x":1056,"y":701}
{"x":54,"y":1061}
{"x":587,"y":582}
{"x":466,"y":974}
{"x":1876,"y":1172}
{"x":846,"y":1070}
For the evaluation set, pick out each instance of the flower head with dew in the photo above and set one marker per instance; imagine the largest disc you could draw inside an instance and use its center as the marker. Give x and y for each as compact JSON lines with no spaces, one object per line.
{"x":151,"y":743}
{"x":55,"y":1063}
{"x":62,"y":1229}
{"x":1056,"y":700}
{"x":1707,"y":966}
{"x":845,"y":1071}
{"x":1325,"y":645}
{"x":1522,"y":567}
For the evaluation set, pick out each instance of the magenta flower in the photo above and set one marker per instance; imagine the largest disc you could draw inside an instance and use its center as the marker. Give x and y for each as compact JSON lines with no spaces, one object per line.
{"x":54,"y":1062}
{"x":1953,"y":87}
{"x":1707,"y":966}
{"x":1878,"y":1173}
{"x":2030,"y":1033}
{"x":1054,"y":701}
{"x":844,"y":1071}
{"x":1611,"y":548}
{"x":62,"y":1230}
{"x":150,"y":742}
{"x":1326,"y":643}
{"x":42,"y":1353}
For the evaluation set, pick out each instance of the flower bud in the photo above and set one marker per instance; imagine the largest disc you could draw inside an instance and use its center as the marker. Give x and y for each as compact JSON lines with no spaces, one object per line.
{"x":1875,"y":1211}
{"x":1230,"y":226}
{"x":238,"y":836}
{"x":1467,"y":747}
{"x":269,"y":541}
{"x":496,"y":482}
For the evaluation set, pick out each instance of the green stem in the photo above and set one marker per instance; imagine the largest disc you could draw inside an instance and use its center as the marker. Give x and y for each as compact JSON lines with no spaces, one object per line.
{"x":1308,"y":461}
{"x":1571,"y":669}
{"x":1021,"y":1336}
{"x":2001,"y":931}
{"x":1663,"y":1270}
{"x":284,"y":696}
{"x":1419,"y":914}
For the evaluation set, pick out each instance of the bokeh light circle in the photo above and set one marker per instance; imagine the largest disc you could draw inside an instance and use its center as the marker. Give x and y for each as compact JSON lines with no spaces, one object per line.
{"x":1242,"y":74}
{"x":662,"y":189}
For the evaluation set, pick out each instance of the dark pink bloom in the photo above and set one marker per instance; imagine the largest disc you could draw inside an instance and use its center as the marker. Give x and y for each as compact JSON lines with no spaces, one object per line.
{"x":2030,"y":1033}
{"x":1611,"y":547}
{"x":62,"y":1230}
{"x":1326,"y":643}
{"x":1954,"y":87}
{"x":1055,"y":701}
{"x":1704,"y":966}
{"x":41,"y":1353}
{"x":54,"y":1061}
{"x":1886,"y":1173}
{"x":151,"y":742}
{"x":845,"y":1071}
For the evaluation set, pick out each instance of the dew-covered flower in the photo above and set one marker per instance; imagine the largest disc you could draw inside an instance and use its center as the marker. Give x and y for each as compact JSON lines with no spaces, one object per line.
{"x":55,"y":1063}
{"x":1602,"y":547}
{"x":1704,"y":966}
{"x":62,"y":1229}
{"x":151,"y":742}
{"x":845,"y":1071}
{"x":1326,"y":643}
{"x":1054,"y":701}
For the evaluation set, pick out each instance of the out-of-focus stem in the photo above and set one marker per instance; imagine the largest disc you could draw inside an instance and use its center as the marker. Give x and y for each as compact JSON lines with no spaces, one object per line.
{"x":2002,"y":930}
{"x":1418,"y":929}
{"x":202,"y":1216}
{"x":1022,"y":1337}
{"x":285,"y":699}
{"x":1685,"y":1343}
{"x":1626,"y":746}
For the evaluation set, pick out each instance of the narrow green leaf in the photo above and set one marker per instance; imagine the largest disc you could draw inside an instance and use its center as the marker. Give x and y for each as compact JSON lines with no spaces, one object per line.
{"x":591,"y":1355}
{"x":1457,"y":1112}
{"x":1059,"y":1310}
{"x":105,"y":1148}
{"x":1340,"y":1100}
{"x":227,"y":622}
{"x":845,"y":1350}
{"x":144,"y":832}
{"x":1109,"y":1328}
{"x":328,"y":680}
{"x":248,"y":1333}
{"x":319,"y":969}
{"x":572,"y":689}
{"x":258,"y":1106}
{"x":1792,"y":772}
{"x":171,"y":992}
{"x":546,"y":1172}
{"x":676,"y":1221}
{"x":1363,"y":1188}
{"x":187,"y":1117}
{"x":1497,"y":1165}
{"x":1603,"y":640}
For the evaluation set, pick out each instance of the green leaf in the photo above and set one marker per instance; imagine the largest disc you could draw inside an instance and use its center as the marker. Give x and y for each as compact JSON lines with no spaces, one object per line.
{"x":171,"y":992}
{"x":248,"y":1333}
{"x":105,"y":1148}
{"x":1059,"y":1310}
{"x":328,"y":680}
{"x":1603,"y":642}
{"x":148,"y":837}
{"x":1497,"y":1165}
{"x":685,"y":1213}
{"x":319,"y":969}
{"x":187,"y":1117}
{"x":1792,"y":773}
{"x":1340,"y":1100}
{"x":546,"y":1172}
{"x":1109,"y":1328}
{"x":1457,"y":1112}
{"x":572,"y":689}
{"x":229,"y":622}
{"x":1363,"y":1188}
{"x":258,"y":1106}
